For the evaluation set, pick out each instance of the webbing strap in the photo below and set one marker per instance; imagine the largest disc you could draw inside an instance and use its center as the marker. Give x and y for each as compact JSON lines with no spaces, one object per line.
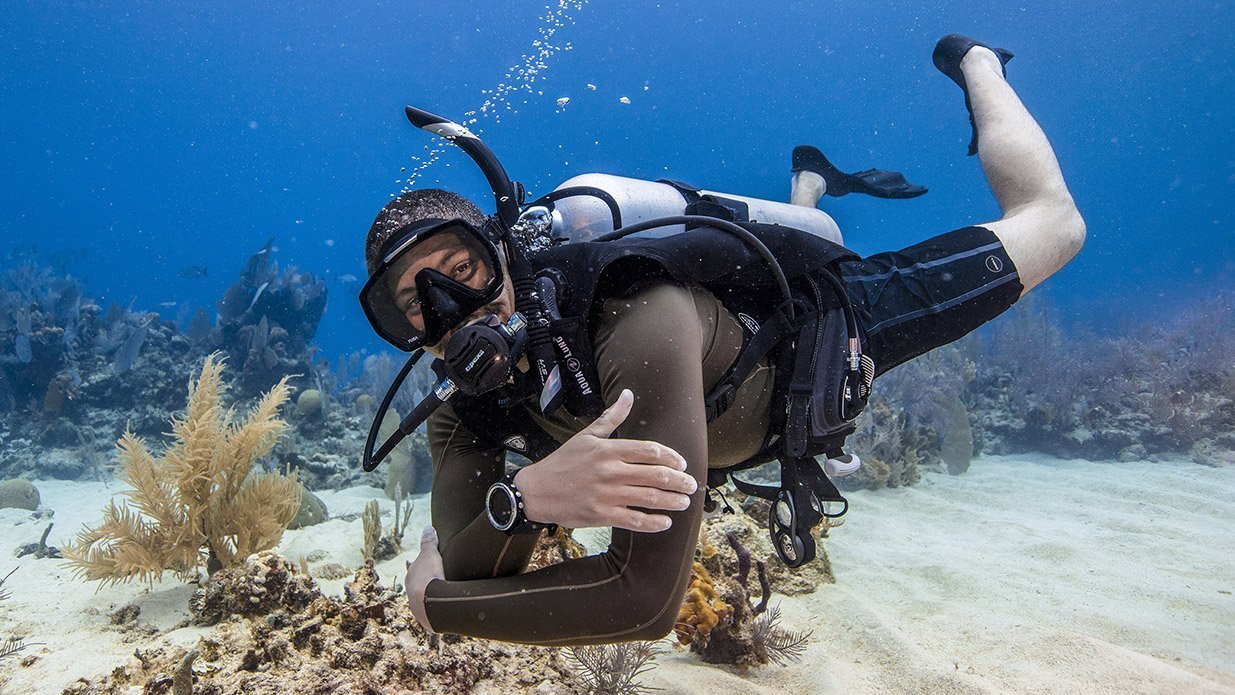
{"x":778,"y":327}
{"x":689,"y":193}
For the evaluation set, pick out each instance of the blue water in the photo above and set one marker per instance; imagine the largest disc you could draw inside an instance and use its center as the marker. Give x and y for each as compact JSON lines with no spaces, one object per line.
{"x":162,"y":135}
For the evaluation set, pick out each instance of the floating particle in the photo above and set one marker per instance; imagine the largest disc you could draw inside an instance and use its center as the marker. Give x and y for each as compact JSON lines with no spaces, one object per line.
{"x":591,"y":86}
{"x":625,"y":100}
{"x":646,"y":87}
{"x":563,"y":101}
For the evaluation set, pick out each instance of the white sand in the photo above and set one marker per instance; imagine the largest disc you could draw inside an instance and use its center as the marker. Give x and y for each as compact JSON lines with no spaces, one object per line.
{"x":1022,"y":575}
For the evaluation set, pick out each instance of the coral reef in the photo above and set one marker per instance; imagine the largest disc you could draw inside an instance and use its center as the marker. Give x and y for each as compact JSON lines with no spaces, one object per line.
{"x":19,"y":494}
{"x":1158,"y":390}
{"x":614,"y":669}
{"x":749,"y":526}
{"x":267,"y":320}
{"x":276,"y":633}
{"x":74,"y":376}
{"x":930,"y":391}
{"x":199,"y":496}
{"x":718,"y":620}
{"x":309,"y":403}
{"x":891,"y":449}
{"x":263,"y":585}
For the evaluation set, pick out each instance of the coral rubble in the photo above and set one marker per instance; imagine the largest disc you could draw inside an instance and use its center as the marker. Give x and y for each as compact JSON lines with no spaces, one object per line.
{"x":276,"y":633}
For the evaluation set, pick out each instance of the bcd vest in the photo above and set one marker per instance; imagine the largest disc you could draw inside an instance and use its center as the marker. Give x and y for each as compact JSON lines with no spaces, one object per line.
{"x":587,"y":273}
{"x":821,"y":383}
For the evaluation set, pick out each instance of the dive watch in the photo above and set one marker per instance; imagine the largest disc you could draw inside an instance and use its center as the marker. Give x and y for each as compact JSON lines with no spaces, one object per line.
{"x":505,"y":509}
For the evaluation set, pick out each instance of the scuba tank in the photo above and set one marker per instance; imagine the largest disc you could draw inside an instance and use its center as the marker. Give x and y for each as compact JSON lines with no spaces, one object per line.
{"x":589,"y":206}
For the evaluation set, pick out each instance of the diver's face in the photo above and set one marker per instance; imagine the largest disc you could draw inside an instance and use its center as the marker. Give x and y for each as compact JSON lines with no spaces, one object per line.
{"x":459,"y":259}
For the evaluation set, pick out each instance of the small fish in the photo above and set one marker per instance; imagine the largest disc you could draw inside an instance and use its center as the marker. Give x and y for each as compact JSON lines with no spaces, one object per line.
{"x":348,"y":278}
{"x":563,"y":101}
{"x":591,"y":86}
{"x":330,"y":242}
{"x":625,"y":100}
{"x":191,"y":272}
{"x":168,"y":305}
{"x":257,"y":295}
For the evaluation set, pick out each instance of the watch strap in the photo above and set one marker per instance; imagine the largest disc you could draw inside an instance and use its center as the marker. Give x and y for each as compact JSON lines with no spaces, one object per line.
{"x":520,"y":523}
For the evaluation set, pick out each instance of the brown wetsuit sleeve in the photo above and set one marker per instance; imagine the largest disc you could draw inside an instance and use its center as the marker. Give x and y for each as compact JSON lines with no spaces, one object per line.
{"x":463,"y":470}
{"x":634,"y":589}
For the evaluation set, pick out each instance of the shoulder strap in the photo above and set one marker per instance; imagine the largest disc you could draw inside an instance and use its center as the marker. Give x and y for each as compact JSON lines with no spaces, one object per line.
{"x":773,"y":331}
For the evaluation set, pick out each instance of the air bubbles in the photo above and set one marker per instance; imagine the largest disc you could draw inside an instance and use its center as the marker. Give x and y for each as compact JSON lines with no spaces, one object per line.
{"x":518,"y":82}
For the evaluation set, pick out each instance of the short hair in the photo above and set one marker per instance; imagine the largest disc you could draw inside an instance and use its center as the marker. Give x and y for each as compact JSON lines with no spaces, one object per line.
{"x":410,"y":207}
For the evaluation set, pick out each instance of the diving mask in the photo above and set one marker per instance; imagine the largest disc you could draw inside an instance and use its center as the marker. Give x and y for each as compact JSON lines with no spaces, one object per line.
{"x":434,"y":275}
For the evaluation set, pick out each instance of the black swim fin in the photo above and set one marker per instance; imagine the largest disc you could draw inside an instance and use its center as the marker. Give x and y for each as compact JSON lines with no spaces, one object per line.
{"x":948,"y":54}
{"x":873,"y":182}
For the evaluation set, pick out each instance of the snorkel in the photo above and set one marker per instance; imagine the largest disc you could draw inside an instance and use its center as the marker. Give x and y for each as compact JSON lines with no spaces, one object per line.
{"x":480,"y":357}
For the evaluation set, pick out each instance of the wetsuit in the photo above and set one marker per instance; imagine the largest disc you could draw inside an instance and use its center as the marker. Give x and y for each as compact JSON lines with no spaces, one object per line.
{"x":670,"y":344}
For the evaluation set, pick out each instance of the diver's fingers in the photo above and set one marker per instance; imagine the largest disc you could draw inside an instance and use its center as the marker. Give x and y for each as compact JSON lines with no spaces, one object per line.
{"x":615,"y":415}
{"x":428,"y":538}
{"x":659,"y":477}
{"x":653,"y":498}
{"x":633,"y":520}
{"x":647,"y":451}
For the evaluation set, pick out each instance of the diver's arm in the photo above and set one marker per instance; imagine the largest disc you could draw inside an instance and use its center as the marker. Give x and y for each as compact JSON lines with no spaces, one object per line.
{"x":463,"y":470}
{"x":634,"y":589}
{"x":594,"y":480}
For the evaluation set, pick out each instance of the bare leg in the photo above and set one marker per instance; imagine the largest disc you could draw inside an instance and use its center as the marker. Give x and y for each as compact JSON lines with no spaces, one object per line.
{"x":1041,"y":228}
{"x":806,"y":189}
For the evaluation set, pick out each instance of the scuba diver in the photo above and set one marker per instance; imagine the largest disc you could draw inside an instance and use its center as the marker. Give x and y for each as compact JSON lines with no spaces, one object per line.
{"x":637,"y":372}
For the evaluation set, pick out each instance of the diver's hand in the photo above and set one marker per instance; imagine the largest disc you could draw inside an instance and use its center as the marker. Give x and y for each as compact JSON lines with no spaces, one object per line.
{"x":592,"y":480}
{"x":425,"y":568}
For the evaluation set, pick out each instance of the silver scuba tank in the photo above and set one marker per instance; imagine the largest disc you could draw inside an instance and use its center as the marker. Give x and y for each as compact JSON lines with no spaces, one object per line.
{"x":583,"y":217}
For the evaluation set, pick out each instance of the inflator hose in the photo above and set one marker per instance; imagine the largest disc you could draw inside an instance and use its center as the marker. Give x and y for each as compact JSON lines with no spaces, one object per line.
{"x":368,"y":459}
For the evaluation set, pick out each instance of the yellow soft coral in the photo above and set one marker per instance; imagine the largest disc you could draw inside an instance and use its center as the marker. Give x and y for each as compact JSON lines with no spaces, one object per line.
{"x":199,"y":496}
{"x":702,"y":610}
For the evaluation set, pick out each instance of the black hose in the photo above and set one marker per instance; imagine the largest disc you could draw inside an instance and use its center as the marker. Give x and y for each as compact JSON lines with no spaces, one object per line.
{"x":572,"y":191}
{"x":368,"y":460}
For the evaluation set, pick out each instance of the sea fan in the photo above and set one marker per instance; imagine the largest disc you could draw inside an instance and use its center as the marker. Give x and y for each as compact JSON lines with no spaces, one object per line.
{"x":12,"y":645}
{"x":775,"y":642}
{"x":4,"y":593}
{"x":613,"y":669}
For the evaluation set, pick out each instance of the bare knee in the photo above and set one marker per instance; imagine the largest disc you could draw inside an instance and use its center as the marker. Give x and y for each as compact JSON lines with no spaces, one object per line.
{"x":1041,"y":238}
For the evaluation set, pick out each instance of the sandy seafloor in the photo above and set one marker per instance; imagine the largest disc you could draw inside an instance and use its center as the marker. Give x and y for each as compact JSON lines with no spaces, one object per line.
{"x":1023,"y":575}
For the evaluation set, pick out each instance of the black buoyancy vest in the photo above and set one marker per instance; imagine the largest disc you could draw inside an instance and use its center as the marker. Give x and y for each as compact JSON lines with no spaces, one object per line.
{"x":587,"y":273}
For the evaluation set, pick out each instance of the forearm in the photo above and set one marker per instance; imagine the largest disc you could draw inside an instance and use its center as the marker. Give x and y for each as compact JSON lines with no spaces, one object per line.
{"x":463,"y":470}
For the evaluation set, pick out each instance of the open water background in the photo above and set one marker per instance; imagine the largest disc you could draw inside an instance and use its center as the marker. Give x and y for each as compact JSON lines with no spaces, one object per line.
{"x":155,"y":136}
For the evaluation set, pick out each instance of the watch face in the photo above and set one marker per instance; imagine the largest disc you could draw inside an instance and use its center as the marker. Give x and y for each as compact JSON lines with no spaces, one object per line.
{"x":501,"y":507}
